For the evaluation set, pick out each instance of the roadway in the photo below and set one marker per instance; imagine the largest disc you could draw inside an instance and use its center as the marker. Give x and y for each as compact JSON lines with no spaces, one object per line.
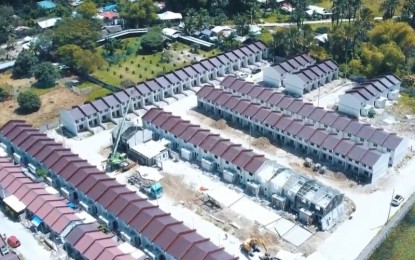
{"x":30,"y":248}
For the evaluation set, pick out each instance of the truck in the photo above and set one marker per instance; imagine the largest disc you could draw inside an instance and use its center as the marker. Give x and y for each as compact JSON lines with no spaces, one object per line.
{"x":149,"y":186}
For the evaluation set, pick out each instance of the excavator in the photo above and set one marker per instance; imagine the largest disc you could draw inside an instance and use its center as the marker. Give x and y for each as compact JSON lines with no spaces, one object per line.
{"x":251,"y":245}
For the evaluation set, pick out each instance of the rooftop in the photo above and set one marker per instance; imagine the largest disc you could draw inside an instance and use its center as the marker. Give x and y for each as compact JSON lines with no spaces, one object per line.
{"x":151,"y":148}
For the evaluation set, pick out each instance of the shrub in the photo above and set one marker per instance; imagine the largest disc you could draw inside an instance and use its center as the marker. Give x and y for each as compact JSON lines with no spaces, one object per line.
{"x":28,"y":102}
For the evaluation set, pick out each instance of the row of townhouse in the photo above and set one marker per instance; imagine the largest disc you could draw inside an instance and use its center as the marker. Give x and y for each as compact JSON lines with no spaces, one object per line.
{"x":372,"y":93}
{"x":89,"y":115}
{"x":138,"y":221}
{"x":356,"y":160}
{"x":275,"y":75}
{"x":333,"y":122}
{"x":241,"y":166}
{"x":311,"y":77}
{"x":50,"y":213}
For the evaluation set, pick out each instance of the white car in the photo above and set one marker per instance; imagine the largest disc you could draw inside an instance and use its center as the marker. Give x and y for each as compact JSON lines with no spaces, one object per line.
{"x":397,"y":200}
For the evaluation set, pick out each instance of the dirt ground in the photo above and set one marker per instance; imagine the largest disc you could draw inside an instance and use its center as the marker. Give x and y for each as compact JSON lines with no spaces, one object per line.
{"x":52,"y":102}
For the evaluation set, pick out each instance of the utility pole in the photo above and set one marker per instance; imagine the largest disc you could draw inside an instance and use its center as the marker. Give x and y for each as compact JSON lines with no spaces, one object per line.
{"x":390,"y":205}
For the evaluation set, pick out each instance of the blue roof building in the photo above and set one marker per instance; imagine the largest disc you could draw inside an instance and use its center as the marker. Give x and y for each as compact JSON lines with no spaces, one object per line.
{"x":46,"y":4}
{"x":107,"y":8}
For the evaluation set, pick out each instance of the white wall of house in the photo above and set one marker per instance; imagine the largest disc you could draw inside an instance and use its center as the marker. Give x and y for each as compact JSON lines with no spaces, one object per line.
{"x":349,"y":105}
{"x":68,"y":122}
{"x":381,"y":167}
{"x":272,"y":77}
{"x":294,"y":84}
{"x":400,"y":152}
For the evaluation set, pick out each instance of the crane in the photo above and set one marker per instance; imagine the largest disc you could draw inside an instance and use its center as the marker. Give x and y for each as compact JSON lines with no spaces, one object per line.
{"x":251,"y":245}
{"x":115,"y":159}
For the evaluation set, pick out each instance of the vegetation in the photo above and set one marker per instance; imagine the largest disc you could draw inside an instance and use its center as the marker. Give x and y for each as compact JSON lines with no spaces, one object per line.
{"x":152,"y":41}
{"x":5,"y":92}
{"x":84,"y":61}
{"x":139,"y":13}
{"x":28,"y":102}
{"x":46,"y":74}
{"x":398,"y":244}
{"x":87,"y":9}
{"x":42,"y":172}
{"x":24,"y":65}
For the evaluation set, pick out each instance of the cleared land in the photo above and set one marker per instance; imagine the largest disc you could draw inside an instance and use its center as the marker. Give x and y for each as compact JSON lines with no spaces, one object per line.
{"x":140,"y":67}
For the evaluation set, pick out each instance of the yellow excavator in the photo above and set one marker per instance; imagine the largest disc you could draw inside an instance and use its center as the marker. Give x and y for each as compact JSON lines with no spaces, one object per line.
{"x":251,"y":245}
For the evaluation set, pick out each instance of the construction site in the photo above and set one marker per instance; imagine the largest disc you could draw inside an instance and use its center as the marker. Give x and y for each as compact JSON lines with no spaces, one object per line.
{"x":224,"y":170}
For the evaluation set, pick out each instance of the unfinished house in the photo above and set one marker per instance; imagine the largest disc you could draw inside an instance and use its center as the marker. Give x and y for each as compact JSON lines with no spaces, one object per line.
{"x":275,"y":75}
{"x":241,"y":166}
{"x":122,"y":210}
{"x":313,"y":202}
{"x":87,"y":116}
{"x":49,"y":213}
{"x":331,"y":121}
{"x":372,"y":93}
{"x":355,"y":159}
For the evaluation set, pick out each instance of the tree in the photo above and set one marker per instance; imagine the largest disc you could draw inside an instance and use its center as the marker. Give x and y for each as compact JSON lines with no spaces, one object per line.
{"x":28,"y":102}
{"x":46,"y":74}
{"x":87,"y":9}
{"x":84,"y":61}
{"x":152,"y":40}
{"x":194,"y":48}
{"x":408,"y":12}
{"x":82,"y":32}
{"x":298,"y":13}
{"x":387,"y":58}
{"x":165,"y":57}
{"x":43,"y":46}
{"x":4,"y":93}
{"x":111,"y":45}
{"x":388,"y":7}
{"x":139,"y":13}
{"x":6,"y":30}
{"x":25,"y":62}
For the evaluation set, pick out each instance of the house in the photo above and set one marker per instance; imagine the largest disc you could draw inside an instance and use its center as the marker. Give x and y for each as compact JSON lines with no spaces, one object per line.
{"x":131,"y":135}
{"x":238,"y":165}
{"x":45,"y":24}
{"x":344,"y":127}
{"x":170,"y":16}
{"x":317,"y":11}
{"x":311,"y":77}
{"x":150,"y":153}
{"x":148,"y":227}
{"x":110,"y":108}
{"x":358,"y":161}
{"x":275,"y":75}
{"x":372,"y":93}
{"x":53,"y":215}
{"x":46,"y":5}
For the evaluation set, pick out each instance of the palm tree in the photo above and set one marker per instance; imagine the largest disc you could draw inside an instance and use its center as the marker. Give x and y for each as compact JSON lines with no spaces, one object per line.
{"x":389,"y":7}
{"x":299,"y":12}
{"x":408,"y":12}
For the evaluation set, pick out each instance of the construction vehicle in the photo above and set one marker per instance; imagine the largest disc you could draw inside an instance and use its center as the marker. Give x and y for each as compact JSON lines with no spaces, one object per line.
{"x":152,"y":188}
{"x":251,"y":245}
{"x":118,"y":160}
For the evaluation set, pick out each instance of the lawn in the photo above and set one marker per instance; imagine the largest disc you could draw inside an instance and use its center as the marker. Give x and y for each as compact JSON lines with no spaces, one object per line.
{"x":405,"y":105}
{"x":138,"y":68}
{"x":276,"y":17}
{"x":96,"y":91}
{"x":371,"y":4}
{"x":401,"y":241}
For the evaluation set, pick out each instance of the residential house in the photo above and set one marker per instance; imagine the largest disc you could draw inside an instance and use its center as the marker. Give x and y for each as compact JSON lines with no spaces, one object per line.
{"x":358,"y":161}
{"x":94,"y":114}
{"x":275,"y":75}
{"x":372,"y":93}
{"x":139,"y":222}
{"x":241,"y":166}
{"x":344,"y":127}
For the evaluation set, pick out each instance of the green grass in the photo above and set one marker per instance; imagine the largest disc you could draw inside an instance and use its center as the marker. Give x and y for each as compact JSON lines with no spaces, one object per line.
{"x":276,"y":17}
{"x":142,"y":67}
{"x":96,"y":91}
{"x":406,"y":104}
{"x":371,"y":4}
{"x":401,"y":241}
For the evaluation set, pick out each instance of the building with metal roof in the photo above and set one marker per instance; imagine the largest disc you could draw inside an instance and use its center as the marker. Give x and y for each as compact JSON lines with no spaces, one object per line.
{"x":51,"y":214}
{"x":359,"y":161}
{"x":238,"y":165}
{"x":333,"y":122}
{"x":372,"y":93}
{"x":87,"y":116}
{"x":275,"y":75}
{"x":311,"y":77}
{"x":114,"y":204}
